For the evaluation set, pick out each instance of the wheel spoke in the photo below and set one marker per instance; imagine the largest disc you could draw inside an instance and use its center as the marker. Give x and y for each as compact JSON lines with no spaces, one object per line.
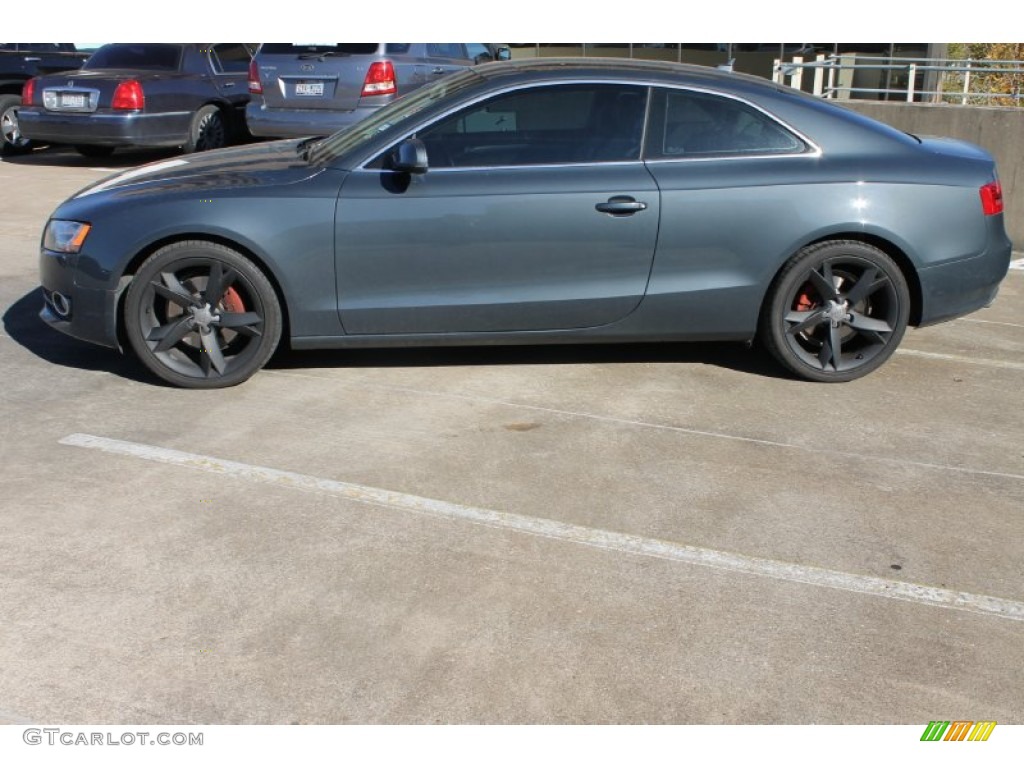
{"x":831,"y":348}
{"x":240,"y":322}
{"x":865,"y":323}
{"x":804,"y":320}
{"x":172,"y":290}
{"x":824,"y":282}
{"x":212,"y":354}
{"x":218,"y":282}
{"x":170,"y":334}
{"x":868,"y":283}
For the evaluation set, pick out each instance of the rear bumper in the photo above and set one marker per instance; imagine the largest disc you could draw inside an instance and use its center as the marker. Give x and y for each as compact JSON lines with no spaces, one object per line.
{"x":959,"y":287}
{"x":298,"y":123}
{"x":163,"y":129}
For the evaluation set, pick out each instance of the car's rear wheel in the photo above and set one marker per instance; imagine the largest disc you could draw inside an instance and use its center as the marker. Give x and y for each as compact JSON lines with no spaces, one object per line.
{"x":14,"y":143}
{"x":93,"y":150}
{"x":208,"y":130}
{"x":201,"y":315}
{"x":836,"y":311}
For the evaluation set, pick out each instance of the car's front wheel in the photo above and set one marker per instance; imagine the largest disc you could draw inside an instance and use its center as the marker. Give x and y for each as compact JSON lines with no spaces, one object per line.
{"x":201,"y":315}
{"x":836,"y":311}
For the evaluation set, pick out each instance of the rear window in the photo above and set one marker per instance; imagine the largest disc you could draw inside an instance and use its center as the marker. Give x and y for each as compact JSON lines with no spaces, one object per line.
{"x":154,"y":56}
{"x":338,"y":49}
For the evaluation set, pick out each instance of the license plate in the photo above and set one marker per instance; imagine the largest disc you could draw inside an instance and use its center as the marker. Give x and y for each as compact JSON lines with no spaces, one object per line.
{"x":73,"y":100}
{"x":309,"y":89}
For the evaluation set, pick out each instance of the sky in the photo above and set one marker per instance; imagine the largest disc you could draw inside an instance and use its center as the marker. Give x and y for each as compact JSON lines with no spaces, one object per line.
{"x":523,"y":20}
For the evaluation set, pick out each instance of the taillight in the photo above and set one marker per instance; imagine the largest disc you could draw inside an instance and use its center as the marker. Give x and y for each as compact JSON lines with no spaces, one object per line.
{"x":992,"y":198}
{"x":380,"y":79}
{"x":128,"y":95}
{"x":28,"y":92}
{"x":255,"y":86}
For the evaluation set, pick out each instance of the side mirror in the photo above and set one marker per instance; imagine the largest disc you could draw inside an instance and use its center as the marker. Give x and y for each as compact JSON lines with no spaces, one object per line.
{"x":504,"y":54}
{"x":410,"y":157}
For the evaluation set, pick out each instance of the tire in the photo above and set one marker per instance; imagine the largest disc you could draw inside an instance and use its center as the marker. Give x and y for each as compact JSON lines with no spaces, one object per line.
{"x":209,"y":130}
{"x":201,"y":315}
{"x":836,"y":311}
{"x":10,"y":132}
{"x":93,"y":150}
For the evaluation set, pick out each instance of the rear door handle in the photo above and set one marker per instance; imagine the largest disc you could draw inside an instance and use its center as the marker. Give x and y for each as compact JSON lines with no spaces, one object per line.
{"x":439,"y":70}
{"x":621,"y":205}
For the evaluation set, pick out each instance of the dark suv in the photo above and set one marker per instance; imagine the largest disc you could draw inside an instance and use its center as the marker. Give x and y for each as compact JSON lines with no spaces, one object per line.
{"x":301,"y":89}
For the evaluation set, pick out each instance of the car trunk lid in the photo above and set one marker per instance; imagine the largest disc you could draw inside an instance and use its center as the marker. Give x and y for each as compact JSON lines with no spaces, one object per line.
{"x":327,"y":76}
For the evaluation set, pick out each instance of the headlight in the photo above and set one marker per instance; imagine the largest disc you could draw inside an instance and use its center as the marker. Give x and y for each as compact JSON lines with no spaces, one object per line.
{"x":65,"y":236}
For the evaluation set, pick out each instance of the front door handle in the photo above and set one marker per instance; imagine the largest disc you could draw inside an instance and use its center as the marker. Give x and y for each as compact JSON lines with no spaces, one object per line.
{"x":621,"y":205}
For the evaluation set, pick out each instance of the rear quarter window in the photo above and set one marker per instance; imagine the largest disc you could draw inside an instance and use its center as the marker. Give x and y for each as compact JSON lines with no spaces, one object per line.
{"x":692,"y":124}
{"x":230,"y":57}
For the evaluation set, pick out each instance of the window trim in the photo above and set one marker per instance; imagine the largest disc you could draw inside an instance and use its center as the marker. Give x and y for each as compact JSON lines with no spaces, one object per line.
{"x":374,"y":156}
{"x":813,"y":151}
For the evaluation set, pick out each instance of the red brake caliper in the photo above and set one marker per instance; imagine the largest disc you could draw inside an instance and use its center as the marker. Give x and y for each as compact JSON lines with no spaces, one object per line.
{"x":232,"y":302}
{"x":804,"y":301}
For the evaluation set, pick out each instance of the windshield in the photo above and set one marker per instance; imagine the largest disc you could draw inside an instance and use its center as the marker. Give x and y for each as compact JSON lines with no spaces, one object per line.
{"x":155,"y":56}
{"x":392,"y":117}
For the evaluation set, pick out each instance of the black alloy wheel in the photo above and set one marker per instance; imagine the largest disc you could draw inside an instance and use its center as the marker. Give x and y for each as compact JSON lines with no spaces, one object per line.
{"x":208,"y":130}
{"x":201,"y":315}
{"x":836,"y":311}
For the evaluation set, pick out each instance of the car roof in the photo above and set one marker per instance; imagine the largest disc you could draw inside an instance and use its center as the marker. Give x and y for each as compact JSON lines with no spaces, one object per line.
{"x":533,"y":68}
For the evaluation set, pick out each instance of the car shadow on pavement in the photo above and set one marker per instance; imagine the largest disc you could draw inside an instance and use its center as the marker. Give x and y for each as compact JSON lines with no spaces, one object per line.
{"x":67,"y":157}
{"x":23,"y":325}
{"x":731,"y":355}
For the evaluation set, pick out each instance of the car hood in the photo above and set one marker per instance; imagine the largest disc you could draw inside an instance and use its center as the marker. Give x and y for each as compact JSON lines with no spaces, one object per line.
{"x":279,"y":162}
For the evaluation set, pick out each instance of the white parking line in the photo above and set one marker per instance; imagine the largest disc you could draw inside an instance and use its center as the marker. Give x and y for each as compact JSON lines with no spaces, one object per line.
{"x":1018,"y":264}
{"x":1005,"y":364}
{"x":567,"y":532}
{"x":9,"y":718}
{"x":988,"y":322}
{"x":817,"y":450}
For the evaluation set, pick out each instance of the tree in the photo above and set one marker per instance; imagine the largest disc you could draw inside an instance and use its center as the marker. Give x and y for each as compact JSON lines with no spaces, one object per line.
{"x":996,"y":76}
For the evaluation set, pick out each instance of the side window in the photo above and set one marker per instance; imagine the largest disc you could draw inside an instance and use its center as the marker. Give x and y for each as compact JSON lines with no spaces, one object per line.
{"x":446,"y":50}
{"x":542,"y":126}
{"x":395,"y":49}
{"x":230,"y":58}
{"x":691,"y":124}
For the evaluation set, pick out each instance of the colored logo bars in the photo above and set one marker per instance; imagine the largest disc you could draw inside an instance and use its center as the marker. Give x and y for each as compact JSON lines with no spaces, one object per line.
{"x":958,"y":730}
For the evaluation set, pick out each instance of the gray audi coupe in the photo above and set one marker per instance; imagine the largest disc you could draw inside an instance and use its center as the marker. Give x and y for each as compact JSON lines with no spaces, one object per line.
{"x":533,"y":202}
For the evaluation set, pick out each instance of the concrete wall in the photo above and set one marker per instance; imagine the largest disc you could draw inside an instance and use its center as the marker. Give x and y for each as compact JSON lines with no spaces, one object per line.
{"x":1000,"y":130}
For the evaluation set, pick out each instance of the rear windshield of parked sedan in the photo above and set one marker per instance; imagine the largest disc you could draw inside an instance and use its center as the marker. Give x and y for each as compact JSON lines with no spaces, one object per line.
{"x":298,"y":49}
{"x":154,"y":56}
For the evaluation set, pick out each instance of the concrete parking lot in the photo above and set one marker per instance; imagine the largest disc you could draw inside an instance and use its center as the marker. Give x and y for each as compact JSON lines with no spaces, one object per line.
{"x":647,"y":534}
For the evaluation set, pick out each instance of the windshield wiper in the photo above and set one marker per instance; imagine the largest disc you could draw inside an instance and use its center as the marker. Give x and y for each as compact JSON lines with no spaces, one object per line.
{"x":321,"y":56}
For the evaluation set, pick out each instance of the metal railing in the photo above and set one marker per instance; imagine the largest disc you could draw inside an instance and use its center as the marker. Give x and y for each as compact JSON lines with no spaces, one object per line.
{"x":984,"y":82}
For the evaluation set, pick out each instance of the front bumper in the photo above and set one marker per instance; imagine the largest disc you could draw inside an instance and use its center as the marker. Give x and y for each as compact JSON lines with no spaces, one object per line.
{"x":109,"y":129}
{"x":84,"y":313}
